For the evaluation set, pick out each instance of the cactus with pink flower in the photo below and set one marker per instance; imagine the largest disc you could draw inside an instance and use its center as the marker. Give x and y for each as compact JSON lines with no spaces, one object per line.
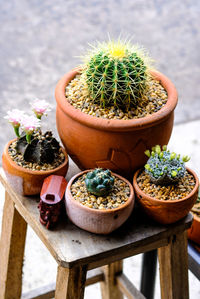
{"x":35,"y":146}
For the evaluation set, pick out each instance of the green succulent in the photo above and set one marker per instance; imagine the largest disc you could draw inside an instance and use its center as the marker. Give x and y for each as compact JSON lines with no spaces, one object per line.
{"x":164,"y":167}
{"x":116,"y":74}
{"x":99,"y":182}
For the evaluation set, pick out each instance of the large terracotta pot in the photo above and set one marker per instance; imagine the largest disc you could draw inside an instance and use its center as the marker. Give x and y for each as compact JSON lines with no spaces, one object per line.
{"x":194,"y":230}
{"x":26,"y":181}
{"x":94,"y":220}
{"x":115,"y":144}
{"x":166,"y":212}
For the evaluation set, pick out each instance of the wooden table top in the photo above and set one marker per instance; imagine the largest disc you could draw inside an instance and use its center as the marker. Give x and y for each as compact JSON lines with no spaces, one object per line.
{"x":70,"y":245}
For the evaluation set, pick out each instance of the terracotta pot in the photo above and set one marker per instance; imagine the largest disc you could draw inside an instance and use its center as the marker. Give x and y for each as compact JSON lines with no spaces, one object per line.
{"x":94,"y":220}
{"x":26,"y":181}
{"x":194,"y":231}
{"x":115,"y":144}
{"x":166,"y":212}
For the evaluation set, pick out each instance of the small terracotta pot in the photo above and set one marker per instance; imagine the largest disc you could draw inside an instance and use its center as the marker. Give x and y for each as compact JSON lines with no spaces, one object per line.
{"x":166,"y":212}
{"x":94,"y":220}
{"x":194,"y":231}
{"x":111,"y":143}
{"x":26,"y":181}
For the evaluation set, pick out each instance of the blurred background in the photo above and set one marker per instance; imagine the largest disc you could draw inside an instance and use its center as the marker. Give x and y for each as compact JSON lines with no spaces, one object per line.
{"x":42,"y":40}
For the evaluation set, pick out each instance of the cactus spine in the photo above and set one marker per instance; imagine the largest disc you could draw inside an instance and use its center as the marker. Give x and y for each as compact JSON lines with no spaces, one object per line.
{"x":116,"y":74}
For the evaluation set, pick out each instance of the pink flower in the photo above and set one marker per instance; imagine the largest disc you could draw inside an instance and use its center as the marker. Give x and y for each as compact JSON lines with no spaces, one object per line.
{"x":40,"y":107}
{"x":14,"y":117}
{"x":30,"y":123}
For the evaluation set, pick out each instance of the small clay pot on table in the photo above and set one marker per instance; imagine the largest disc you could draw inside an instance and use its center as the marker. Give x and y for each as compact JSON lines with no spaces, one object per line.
{"x":95,"y":220}
{"x":166,"y":211}
{"x":26,"y":181}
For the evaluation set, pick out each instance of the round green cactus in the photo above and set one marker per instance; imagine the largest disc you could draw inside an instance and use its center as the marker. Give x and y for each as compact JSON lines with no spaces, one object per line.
{"x":164,"y":167}
{"x":116,"y":74}
{"x":99,"y":182}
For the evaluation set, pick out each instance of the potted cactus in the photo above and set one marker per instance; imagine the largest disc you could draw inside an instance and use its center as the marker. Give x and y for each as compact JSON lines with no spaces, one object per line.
{"x":165,"y":188}
{"x":98,"y":200}
{"x":33,"y":155}
{"x":113,"y":107}
{"x":194,"y":231}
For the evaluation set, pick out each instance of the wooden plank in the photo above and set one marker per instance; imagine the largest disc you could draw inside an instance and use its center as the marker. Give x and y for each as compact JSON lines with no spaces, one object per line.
{"x":45,"y":292}
{"x":127,"y":288}
{"x":48,"y":291}
{"x":128,"y":253}
{"x":70,"y":283}
{"x":11,"y":251}
{"x":173,"y":261}
{"x":94,"y":276}
{"x":71,"y":246}
{"x":109,"y":287}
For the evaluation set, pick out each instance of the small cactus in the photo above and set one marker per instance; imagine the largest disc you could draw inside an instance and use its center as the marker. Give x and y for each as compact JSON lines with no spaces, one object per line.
{"x":99,"y":182}
{"x":40,"y":150}
{"x":116,"y":74}
{"x":164,"y":167}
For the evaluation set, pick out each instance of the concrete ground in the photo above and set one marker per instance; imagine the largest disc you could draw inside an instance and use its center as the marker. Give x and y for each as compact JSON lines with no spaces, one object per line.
{"x":42,"y":40}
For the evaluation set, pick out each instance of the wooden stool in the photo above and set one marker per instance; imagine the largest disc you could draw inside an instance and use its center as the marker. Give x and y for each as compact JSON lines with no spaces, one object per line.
{"x":77,"y":251}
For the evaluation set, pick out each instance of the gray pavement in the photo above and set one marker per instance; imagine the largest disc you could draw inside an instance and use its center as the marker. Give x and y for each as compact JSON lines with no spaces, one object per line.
{"x":41,"y":40}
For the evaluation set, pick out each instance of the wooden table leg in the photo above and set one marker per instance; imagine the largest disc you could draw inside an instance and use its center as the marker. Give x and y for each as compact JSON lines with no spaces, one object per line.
{"x":70,"y":283}
{"x":109,"y":288}
{"x":173,"y":260}
{"x":12,"y":245}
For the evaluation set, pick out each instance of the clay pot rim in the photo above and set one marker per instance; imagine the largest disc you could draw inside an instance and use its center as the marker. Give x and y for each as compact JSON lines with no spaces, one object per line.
{"x":115,"y":124}
{"x":137,"y":188}
{"x":34,"y":172}
{"x":123,"y":206}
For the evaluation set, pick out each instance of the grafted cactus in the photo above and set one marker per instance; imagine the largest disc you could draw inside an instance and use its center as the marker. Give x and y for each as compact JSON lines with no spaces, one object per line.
{"x":164,"y":167}
{"x":40,"y":150}
{"x":99,"y":182}
{"x":116,"y":74}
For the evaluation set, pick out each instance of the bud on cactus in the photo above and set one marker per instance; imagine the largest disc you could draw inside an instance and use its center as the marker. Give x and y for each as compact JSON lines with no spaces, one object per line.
{"x":99,"y":182}
{"x":40,"y":150}
{"x":116,"y":74}
{"x":164,"y":167}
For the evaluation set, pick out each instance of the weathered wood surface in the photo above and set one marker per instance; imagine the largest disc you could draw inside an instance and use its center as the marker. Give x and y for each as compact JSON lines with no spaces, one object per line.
{"x":70,"y":283}
{"x":173,"y":260}
{"x":11,"y":251}
{"x":72,"y":246}
{"x":109,"y":287}
{"x":128,"y":289}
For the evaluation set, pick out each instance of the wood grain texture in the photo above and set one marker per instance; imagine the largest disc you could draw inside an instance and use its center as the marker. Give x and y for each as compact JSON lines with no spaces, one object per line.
{"x":109,"y":287}
{"x":70,"y":283}
{"x":71,"y":246}
{"x":128,"y":289}
{"x":11,"y":251}
{"x":173,"y":260}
